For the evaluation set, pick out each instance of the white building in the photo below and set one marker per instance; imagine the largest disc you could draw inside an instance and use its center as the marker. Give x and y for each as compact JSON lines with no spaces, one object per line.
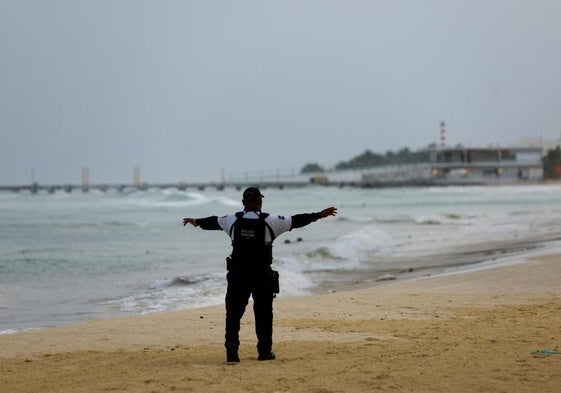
{"x":464,"y":165}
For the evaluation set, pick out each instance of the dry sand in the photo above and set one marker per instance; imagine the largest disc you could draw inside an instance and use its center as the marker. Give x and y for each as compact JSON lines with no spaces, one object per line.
{"x":473,"y":332}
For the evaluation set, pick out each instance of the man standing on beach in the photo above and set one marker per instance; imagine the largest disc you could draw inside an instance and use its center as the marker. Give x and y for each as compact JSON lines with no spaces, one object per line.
{"x":249,"y":266}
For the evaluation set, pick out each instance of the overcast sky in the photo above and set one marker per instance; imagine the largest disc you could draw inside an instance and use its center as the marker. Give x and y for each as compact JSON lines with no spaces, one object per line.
{"x":185,"y":88}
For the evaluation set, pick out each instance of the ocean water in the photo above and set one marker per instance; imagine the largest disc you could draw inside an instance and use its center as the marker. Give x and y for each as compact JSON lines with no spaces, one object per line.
{"x":71,"y":257}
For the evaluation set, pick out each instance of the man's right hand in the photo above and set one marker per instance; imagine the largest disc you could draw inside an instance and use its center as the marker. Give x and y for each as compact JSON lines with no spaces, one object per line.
{"x":191,"y":221}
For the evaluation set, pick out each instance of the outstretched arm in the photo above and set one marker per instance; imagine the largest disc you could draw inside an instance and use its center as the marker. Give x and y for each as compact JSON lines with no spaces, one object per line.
{"x":204,"y":223}
{"x":300,"y":220}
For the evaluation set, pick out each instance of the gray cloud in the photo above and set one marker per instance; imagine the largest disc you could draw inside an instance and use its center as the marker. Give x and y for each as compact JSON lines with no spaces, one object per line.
{"x":185,"y":88}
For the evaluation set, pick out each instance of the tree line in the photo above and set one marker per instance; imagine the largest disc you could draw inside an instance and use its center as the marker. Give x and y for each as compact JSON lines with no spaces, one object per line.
{"x":371,"y":159}
{"x":552,"y":164}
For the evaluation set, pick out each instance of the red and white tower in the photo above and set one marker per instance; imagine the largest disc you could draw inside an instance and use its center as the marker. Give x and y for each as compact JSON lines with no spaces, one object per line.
{"x":442,"y":134}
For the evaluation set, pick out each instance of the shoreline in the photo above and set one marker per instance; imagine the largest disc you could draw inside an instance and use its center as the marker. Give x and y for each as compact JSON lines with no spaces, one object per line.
{"x":475,"y":257}
{"x":472,"y":258}
{"x":474,"y":331}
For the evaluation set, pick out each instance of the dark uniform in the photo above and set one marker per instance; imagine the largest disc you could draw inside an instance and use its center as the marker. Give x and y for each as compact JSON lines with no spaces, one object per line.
{"x":249,"y":271}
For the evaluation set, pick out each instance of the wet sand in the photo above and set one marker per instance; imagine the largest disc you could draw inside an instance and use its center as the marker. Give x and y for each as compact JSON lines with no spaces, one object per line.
{"x":470,"y":332}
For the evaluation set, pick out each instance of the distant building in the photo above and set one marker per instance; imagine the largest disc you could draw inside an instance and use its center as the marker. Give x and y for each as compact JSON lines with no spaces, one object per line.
{"x":463,"y":165}
{"x":488,"y":164}
{"x":545,"y":144}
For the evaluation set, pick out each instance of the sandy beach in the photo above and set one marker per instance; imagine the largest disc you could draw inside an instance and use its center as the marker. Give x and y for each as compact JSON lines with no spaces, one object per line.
{"x":471,"y":332}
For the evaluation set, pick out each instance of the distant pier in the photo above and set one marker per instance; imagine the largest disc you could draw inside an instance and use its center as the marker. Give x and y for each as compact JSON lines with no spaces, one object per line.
{"x":200,"y":186}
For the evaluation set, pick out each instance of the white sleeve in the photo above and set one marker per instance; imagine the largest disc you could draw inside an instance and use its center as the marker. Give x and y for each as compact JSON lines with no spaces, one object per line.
{"x":226,"y":222}
{"x":279,"y":224}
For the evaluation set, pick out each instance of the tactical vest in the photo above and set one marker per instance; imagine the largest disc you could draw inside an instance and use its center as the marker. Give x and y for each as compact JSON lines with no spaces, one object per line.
{"x":249,"y":250}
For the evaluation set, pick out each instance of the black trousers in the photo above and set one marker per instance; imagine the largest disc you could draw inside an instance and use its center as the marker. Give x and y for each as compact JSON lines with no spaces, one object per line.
{"x":240,"y":288}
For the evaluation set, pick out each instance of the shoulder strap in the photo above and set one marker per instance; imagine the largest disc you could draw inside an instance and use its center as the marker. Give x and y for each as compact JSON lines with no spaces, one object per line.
{"x":238,"y":216}
{"x":263,"y":216}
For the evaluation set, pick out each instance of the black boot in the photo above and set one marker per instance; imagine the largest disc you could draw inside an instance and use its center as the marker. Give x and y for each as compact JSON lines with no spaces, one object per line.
{"x":232,"y":353}
{"x":266,"y":356}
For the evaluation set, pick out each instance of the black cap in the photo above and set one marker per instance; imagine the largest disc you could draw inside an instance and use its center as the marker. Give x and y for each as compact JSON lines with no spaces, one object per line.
{"x":252,"y":194}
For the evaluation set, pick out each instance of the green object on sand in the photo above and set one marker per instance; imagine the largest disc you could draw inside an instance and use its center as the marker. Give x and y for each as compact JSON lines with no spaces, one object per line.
{"x":545,"y":352}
